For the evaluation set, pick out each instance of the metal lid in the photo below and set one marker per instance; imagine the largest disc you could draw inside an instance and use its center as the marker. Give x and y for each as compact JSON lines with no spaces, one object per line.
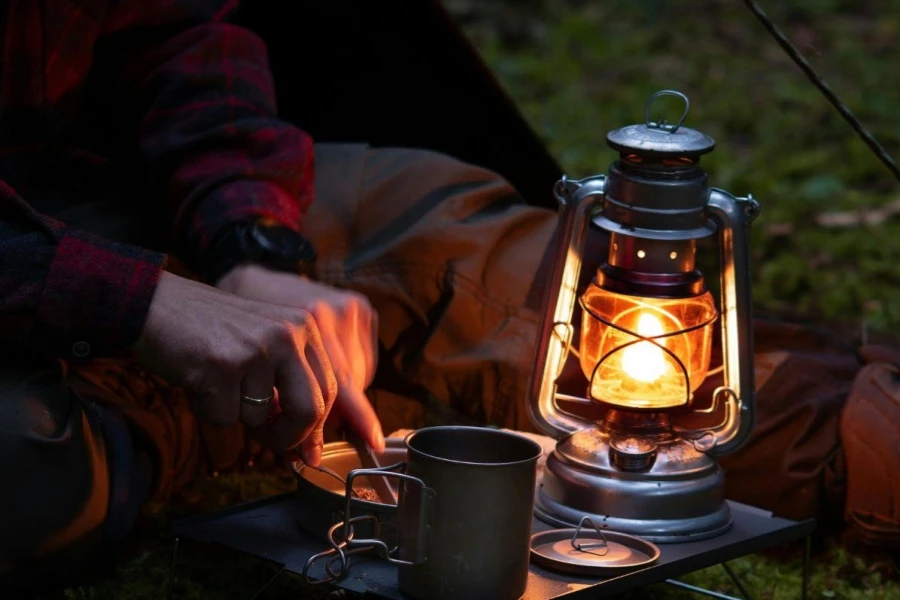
{"x":586,"y":550}
{"x":661,"y":138}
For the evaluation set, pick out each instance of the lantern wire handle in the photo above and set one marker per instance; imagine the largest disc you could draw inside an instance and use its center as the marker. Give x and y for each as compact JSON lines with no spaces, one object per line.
{"x":823,"y":87}
{"x":663,"y":125}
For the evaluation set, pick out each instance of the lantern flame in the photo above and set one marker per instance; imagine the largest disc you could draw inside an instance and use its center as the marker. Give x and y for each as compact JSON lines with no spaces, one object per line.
{"x":645,"y":361}
{"x":645,"y":353}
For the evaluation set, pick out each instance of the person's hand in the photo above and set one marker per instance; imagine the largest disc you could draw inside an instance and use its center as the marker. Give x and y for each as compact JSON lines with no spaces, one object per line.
{"x":349,"y":328}
{"x":219,"y":347}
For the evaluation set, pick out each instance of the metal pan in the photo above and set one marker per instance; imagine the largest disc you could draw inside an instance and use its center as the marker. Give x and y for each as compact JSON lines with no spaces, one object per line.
{"x":322,"y":494}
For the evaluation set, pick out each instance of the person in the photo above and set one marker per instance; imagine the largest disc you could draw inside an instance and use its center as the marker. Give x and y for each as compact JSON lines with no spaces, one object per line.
{"x":188,"y":279}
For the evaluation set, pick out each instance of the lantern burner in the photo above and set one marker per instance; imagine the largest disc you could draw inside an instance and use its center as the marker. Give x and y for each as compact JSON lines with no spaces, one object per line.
{"x":650,"y":425}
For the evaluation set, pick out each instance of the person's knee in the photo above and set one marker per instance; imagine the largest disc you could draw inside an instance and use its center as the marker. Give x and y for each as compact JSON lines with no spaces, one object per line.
{"x":53,"y":467}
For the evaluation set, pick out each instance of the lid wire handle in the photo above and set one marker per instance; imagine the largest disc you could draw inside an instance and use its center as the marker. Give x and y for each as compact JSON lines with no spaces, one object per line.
{"x":582,"y":547}
{"x":664,"y":125}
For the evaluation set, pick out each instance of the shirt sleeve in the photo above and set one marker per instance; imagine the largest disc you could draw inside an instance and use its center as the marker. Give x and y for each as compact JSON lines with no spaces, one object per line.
{"x":67,"y":293}
{"x":207,"y":119}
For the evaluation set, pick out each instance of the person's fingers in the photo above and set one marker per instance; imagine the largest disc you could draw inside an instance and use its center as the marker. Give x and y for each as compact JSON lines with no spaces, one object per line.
{"x":347,"y":342}
{"x":359,"y":336}
{"x":331,"y":331}
{"x":343,"y":376}
{"x":344,"y":318}
{"x":348,"y":333}
{"x":300,"y":405}
{"x":359,"y":417}
{"x":312,"y":445}
{"x":366,"y":330}
{"x":306,"y":389}
{"x":373,"y":346}
{"x":259,"y":383}
{"x":319,"y":361}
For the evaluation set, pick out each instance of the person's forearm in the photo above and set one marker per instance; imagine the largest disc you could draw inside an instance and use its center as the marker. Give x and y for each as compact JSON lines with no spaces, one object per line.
{"x":64,"y":292}
{"x":208,"y":127}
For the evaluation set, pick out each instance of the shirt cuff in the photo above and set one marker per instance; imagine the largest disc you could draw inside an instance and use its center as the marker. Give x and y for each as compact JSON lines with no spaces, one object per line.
{"x":235,"y":202}
{"x":95,"y":298}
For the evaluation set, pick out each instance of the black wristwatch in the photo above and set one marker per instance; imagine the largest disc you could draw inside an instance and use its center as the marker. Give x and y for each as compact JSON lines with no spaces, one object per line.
{"x":260,"y":241}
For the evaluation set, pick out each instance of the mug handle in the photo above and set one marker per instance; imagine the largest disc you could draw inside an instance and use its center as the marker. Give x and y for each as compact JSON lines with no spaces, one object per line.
{"x":341,"y":549}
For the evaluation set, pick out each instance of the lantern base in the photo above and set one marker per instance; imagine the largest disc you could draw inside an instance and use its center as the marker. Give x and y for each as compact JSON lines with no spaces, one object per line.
{"x":679,"y":496}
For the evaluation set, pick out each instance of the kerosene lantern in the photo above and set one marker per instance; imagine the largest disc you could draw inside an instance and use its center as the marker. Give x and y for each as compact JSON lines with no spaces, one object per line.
{"x":646,"y":333}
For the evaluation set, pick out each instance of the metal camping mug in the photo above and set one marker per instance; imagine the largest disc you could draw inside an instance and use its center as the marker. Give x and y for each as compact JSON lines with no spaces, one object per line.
{"x":464,"y":515}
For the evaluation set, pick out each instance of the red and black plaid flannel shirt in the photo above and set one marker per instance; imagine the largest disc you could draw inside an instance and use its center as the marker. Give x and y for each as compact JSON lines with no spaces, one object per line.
{"x":187,"y":97}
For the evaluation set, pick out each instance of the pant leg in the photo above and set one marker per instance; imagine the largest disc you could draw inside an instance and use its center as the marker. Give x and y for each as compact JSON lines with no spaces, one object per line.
{"x":72,"y":484}
{"x":869,"y":431}
{"x":447,"y":253}
{"x":162,"y":423}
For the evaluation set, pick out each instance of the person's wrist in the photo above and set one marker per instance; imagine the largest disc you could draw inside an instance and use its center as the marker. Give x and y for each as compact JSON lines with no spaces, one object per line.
{"x":234,"y":280}
{"x":262,"y":242}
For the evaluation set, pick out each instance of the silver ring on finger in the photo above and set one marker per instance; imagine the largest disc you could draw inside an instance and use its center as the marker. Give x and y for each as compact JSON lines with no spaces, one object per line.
{"x":257,"y":401}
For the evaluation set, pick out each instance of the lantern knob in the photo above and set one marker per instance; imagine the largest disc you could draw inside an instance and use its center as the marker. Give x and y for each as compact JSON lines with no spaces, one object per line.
{"x":632,"y":453}
{"x":659,"y":138}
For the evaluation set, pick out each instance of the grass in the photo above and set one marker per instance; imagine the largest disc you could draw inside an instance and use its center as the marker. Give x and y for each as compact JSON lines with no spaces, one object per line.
{"x":579,"y":69}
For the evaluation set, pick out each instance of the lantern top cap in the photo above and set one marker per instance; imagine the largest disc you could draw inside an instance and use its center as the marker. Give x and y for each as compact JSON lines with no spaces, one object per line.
{"x":661,"y":138}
